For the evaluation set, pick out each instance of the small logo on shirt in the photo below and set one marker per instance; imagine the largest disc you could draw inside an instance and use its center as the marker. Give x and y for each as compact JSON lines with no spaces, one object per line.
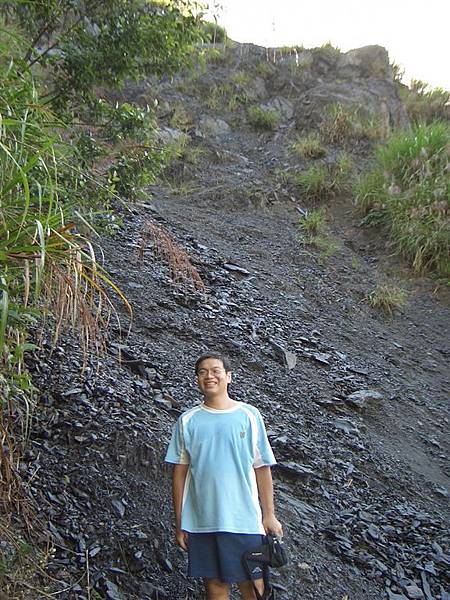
{"x":242,"y":434}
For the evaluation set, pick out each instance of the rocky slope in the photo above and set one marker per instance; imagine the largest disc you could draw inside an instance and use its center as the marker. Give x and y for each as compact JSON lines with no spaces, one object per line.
{"x":356,"y":403}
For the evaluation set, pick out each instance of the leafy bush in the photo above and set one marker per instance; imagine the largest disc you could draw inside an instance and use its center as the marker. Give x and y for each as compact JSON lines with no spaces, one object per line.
{"x":92,"y":46}
{"x":262,"y":118}
{"x":58,"y":162}
{"x":407,"y":192}
{"x":215,"y":56}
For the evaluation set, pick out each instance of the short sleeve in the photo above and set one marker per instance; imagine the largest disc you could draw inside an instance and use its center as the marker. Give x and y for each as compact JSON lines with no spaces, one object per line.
{"x":176,"y":451}
{"x":264,"y":456}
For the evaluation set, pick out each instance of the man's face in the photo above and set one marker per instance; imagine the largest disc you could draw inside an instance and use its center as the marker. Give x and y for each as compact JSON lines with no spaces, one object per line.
{"x":212,"y":378}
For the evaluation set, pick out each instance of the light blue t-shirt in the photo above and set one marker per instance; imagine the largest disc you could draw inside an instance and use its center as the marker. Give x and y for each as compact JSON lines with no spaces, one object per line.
{"x":222,"y":448}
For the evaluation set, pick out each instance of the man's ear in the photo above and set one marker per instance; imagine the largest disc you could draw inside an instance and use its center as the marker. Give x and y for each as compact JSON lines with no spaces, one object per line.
{"x":229,"y":376}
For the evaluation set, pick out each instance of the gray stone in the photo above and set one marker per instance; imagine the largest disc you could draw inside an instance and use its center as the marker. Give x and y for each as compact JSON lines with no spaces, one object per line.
{"x":283,"y":107}
{"x":166,"y":135}
{"x":345,"y":426}
{"x":214,"y":127}
{"x":368,"y":61}
{"x":362,"y":398}
{"x":413,"y":591}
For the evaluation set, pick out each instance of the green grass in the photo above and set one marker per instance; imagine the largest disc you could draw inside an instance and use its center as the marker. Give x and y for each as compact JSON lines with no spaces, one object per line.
{"x":314,"y":183}
{"x":228,"y":95}
{"x":240,"y":78}
{"x":322,"y":182}
{"x":407,"y":193}
{"x":46,"y":265}
{"x":309,"y":147}
{"x":265,"y":69}
{"x":324,"y":244}
{"x":387,"y":298}
{"x":213,"y":33}
{"x":343,"y":124}
{"x":312,"y":226}
{"x":425,"y":104}
{"x":265,"y":119}
{"x":312,"y":222}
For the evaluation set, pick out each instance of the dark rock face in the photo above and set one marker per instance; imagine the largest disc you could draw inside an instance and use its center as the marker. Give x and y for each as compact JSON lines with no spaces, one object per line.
{"x":356,"y":407}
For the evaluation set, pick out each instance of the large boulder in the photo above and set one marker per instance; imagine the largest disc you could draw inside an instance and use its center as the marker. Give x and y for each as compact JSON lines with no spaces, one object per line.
{"x":369,"y":61}
{"x":371,"y":98}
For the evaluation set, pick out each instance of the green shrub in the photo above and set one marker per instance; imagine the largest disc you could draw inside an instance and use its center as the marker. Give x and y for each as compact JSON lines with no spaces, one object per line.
{"x":262,"y":118}
{"x":309,"y":147}
{"x":407,"y":192}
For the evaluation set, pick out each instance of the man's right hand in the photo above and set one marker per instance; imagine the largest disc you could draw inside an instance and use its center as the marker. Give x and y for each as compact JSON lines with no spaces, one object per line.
{"x":182,"y":539}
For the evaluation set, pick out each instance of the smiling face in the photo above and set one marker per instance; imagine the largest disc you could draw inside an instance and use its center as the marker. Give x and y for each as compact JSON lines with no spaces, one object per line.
{"x":212,"y":378}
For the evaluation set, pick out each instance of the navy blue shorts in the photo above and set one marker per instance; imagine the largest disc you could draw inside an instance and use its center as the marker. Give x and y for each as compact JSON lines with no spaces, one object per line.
{"x":218,"y":555}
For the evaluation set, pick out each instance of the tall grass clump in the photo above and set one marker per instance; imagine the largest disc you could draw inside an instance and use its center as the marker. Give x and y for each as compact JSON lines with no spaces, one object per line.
{"x":312,"y":226}
{"x":314,"y":183}
{"x":386,"y":298}
{"x":46,"y":267}
{"x":407,"y":192}
{"x":321,"y":182}
{"x":261,"y":118}
{"x":309,"y":147}
{"x":345,"y":124}
{"x":425,"y":104}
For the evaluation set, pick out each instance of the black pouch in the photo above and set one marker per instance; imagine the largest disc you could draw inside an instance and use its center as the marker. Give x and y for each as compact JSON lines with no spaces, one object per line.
{"x":270,"y":554}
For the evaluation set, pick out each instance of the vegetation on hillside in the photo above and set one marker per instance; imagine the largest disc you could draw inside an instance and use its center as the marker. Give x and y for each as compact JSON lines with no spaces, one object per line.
{"x":407,"y":193}
{"x":66,"y":155}
{"x":425,"y":104}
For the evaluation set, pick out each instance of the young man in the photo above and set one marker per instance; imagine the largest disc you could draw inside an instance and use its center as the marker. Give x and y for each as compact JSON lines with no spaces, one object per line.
{"x":222,"y":461}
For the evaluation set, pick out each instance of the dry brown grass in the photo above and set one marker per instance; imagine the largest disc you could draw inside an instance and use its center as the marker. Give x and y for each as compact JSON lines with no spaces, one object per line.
{"x":182,"y":271}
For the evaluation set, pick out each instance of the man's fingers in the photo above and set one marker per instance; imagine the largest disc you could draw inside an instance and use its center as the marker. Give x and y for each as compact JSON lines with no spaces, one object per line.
{"x":182,"y":541}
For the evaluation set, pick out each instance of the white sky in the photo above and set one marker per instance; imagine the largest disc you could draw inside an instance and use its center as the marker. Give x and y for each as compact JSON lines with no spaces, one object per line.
{"x":415,"y":33}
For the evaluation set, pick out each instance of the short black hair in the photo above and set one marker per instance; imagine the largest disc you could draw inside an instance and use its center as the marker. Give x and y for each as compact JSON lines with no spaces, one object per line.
{"x":218,"y":356}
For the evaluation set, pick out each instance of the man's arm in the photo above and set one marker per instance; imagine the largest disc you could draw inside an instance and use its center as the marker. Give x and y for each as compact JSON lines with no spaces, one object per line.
{"x":265,"y":491}
{"x":179,"y":474}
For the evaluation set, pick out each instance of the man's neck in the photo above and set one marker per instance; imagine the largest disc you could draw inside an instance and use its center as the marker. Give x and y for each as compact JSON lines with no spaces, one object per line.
{"x":219,"y":402}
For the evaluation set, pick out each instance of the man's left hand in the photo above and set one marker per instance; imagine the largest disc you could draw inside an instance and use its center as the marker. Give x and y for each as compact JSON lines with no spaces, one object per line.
{"x":272,"y":525}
